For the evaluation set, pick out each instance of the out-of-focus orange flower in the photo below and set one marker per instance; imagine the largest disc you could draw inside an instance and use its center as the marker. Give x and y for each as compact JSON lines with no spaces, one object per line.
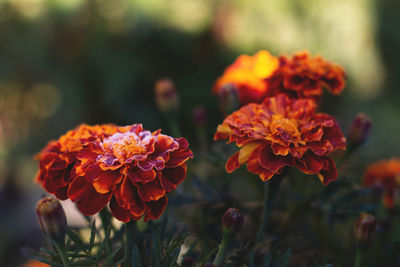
{"x":303,"y":76}
{"x":264,"y":75}
{"x":128,"y":167}
{"x":384,"y":175}
{"x":282,"y":132}
{"x":248,"y":74}
{"x":35,"y":263}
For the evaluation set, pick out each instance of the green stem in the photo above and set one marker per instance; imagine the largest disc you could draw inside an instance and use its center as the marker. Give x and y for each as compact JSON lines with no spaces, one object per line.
{"x":105,"y":221}
{"x":359,"y":257}
{"x":222,"y":248}
{"x":63,"y":254}
{"x":270,"y":193}
{"x":129,"y":231}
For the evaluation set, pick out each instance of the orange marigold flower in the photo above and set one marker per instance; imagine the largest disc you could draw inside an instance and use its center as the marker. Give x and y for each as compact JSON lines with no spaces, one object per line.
{"x":128,"y":167}
{"x":35,"y":263}
{"x":303,"y":76}
{"x":58,"y":157}
{"x":282,"y":132}
{"x":385,"y":176}
{"x":248,"y":74}
{"x":264,"y":75}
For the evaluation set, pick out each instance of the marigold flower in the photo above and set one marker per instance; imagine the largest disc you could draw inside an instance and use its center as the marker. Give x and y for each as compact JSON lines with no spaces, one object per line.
{"x":384,"y":175}
{"x":303,"y":76}
{"x":248,"y":74}
{"x":58,"y":157}
{"x":264,"y":75}
{"x":128,"y":167}
{"x":35,"y":263}
{"x":282,"y":132}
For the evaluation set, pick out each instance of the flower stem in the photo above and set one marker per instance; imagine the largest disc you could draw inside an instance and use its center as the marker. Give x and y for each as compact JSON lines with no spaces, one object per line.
{"x":222,"y":248}
{"x":105,"y":221}
{"x":359,"y":257}
{"x":129,"y":230}
{"x":270,"y":192}
{"x":63,"y":255}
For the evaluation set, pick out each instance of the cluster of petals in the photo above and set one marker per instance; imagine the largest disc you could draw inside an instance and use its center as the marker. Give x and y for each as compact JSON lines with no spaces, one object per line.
{"x":248,"y":74}
{"x":129,"y":168}
{"x":384,"y":175}
{"x":282,"y":132}
{"x":299,"y":76}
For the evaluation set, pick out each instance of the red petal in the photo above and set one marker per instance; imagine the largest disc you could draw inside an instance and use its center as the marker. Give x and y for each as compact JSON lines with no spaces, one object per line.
{"x":151,"y":191}
{"x":179,"y":157}
{"x":130,"y":197}
{"x":155,"y":208}
{"x":61,"y":193}
{"x":329,"y":172}
{"x":171,"y":177}
{"x":119,"y":212}
{"x":232,"y":163}
{"x":137,"y":175}
{"x":272,"y":162}
{"x":88,"y":201}
{"x":103,"y":181}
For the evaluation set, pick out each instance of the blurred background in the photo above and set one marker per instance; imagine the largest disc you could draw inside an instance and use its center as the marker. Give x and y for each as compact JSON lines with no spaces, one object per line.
{"x":64,"y":62}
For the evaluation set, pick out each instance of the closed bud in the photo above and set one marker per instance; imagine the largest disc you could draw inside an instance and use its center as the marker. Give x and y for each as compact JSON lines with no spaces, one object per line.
{"x":228,"y":98}
{"x":188,"y":262}
{"x":359,"y":130}
{"x":232,"y":220}
{"x":51,"y":217}
{"x":209,"y":264}
{"x":200,"y":116}
{"x":364,"y":228}
{"x":167,"y":98}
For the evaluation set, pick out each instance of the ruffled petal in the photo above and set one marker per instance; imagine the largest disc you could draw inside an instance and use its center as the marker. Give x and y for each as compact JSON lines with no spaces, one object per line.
{"x":155,"y":208}
{"x":150,"y":191}
{"x":171,"y":177}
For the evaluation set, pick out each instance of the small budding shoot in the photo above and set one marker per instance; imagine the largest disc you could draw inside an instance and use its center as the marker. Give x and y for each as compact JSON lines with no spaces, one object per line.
{"x":232,"y":221}
{"x":167,"y":98}
{"x":51,"y":218}
{"x":228,"y":98}
{"x":359,"y":130}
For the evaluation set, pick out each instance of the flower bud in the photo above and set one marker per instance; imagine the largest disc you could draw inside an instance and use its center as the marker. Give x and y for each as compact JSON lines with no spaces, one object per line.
{"x":167,"y":98}
{"x":200,"y":116}
{"x":228,"y":98}
{"x":232,"y":220}
{"x":51,"y":217}
{"x":364,"y":228}
{"x":359,"y":130}
{"x":188,"y":262}
{"x":209,"y":264}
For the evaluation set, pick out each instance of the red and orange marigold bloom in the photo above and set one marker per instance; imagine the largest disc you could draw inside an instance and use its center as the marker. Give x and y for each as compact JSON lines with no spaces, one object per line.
{"x":264,"y":75}
{"x":282,"y":132}
{"x":303,"y":76}
{"x":248,"y":74}
{"x":384,"y":175}
{"x":128,"y":167}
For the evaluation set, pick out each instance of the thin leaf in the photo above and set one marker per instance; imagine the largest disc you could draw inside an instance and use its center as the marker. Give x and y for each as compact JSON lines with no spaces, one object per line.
{"x":267,"y":260}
